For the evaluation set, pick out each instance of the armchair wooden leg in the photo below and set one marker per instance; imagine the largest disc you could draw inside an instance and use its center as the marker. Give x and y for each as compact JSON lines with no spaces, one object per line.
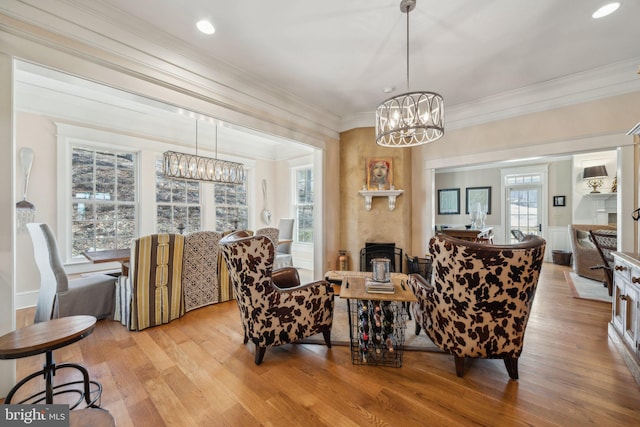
{"x":459,"y":365}
{"x":326,"y":333}
{"x":418,"y":328}
{"x":259,"y":354}
{"x":512,"y":367}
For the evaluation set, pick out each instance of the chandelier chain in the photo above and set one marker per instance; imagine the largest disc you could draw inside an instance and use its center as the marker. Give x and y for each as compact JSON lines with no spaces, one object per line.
{"x":407,"y":12}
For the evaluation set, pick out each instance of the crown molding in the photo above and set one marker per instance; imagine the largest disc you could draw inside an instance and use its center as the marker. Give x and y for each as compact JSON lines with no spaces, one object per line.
{"x":603,"y":82}
{"x":100,"y":33}
{"x":96,"y":32}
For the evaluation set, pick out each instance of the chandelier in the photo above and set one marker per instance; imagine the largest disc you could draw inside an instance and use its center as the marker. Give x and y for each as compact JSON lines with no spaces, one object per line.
{"x":411,"y":118}
{"x":199,"y":168}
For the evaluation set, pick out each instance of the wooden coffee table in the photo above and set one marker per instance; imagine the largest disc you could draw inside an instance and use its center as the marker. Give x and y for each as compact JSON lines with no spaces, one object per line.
{"x":44,"y":337}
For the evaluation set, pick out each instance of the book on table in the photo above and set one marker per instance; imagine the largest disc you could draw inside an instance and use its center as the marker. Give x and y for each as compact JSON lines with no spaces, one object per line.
{"x":374,"y":287}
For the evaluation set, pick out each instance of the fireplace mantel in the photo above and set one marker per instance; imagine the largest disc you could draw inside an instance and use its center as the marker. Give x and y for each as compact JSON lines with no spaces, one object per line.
{"x":370,"y":194}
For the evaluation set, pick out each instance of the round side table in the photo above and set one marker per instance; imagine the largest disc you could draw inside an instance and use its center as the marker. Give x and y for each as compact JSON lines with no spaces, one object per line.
{"x":44,"y":337}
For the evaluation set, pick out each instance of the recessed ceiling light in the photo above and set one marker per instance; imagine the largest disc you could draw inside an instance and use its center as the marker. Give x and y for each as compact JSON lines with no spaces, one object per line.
{"x":605,"y":10}
{"x":388,"y":89}
{"x":205,"y":27}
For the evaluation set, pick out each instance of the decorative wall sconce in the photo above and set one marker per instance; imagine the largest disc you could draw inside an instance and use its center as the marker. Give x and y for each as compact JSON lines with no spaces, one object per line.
{"x":25,"y":210}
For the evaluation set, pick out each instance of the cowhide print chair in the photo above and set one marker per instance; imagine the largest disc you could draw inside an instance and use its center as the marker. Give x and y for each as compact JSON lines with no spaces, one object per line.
{"x":274,"y":308}
{"x":480,"y":298}
{"x":200,"y":269}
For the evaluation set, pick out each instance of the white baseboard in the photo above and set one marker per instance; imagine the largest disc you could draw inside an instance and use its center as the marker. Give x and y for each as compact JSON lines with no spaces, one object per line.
{"x":26,"y":299}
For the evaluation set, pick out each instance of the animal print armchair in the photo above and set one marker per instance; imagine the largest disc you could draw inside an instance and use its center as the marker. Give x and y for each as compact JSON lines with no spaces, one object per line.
{"x":274,"y":312}
{"x":480,"y":298}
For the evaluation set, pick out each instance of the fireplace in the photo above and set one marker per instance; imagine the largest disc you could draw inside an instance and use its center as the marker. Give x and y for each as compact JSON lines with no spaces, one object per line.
{"x":373,"y":250}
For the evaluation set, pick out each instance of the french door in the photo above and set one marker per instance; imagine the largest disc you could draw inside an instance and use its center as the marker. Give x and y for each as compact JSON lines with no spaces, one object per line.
{"x":524,"y":209}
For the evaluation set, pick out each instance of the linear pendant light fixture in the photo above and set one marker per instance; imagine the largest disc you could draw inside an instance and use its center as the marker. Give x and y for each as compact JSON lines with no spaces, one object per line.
{"x":411,"y":118}
{"x":198,"y":168}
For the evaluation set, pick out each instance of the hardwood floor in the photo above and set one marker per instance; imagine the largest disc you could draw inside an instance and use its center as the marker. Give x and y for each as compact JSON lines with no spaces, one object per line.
{"x":196,"y":371}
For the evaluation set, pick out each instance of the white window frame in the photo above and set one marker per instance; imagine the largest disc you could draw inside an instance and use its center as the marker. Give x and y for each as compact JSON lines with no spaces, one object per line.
{"x":69,"y":136}
{"x":174,"y":204}
{"x":148,"y":151}
{"x":294,"y":201}
{"x":97,"y":202}
{"x":249,"y":204}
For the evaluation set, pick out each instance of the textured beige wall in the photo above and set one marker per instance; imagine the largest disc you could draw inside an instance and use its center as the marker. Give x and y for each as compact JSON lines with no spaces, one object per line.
{"x":358,"y":225}
{"x":332,"y":215}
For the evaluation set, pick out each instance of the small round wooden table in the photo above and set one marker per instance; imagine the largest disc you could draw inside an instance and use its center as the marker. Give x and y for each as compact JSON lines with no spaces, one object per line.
{"x":44,"y":337}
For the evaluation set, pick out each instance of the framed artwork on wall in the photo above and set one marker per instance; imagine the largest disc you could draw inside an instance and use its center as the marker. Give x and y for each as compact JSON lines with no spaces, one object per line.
{"x":379,"y":172}
{"x":478,"y":196}
{"x":449,"y":201}
{"x":559,"y":201}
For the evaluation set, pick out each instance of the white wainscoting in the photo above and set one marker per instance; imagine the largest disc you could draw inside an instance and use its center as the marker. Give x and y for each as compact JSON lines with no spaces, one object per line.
{"x":557,"y":239}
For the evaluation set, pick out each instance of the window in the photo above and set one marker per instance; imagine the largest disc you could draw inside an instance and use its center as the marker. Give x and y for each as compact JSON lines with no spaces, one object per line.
{"x":303,"y":204}
{"x":103,"y":204}
{"x":523,"y":179}
{"x":111,"y":191}
{"x":178,"y":208}
{"x":232,"y":211}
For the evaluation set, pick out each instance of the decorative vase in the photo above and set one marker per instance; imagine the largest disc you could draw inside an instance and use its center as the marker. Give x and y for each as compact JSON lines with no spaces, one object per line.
{"x":482,"y":218}
{"x":473,"y":216}
{"x":343,"y":260}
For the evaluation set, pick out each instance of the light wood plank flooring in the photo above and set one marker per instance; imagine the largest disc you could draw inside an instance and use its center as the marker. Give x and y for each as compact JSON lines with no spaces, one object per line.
{"x":196,"y":372}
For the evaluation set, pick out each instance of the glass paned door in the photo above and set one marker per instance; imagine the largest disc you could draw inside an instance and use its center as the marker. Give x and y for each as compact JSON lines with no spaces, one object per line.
{"x":524,"y":210}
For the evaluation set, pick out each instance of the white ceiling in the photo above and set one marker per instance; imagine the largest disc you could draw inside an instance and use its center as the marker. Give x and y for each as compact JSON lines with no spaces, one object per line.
{"x":339,"y":55}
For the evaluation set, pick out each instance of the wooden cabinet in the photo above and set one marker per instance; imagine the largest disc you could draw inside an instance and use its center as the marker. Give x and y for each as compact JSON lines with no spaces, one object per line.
{"x":625,"y":314}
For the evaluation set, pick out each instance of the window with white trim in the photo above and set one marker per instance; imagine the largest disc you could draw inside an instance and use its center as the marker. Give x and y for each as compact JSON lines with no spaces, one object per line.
{"x":232,"y":209}
{"x":303,"y":204}
{"x":178,"y":207}
{"x":523,"y":179}
{"x":103,"y":204}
